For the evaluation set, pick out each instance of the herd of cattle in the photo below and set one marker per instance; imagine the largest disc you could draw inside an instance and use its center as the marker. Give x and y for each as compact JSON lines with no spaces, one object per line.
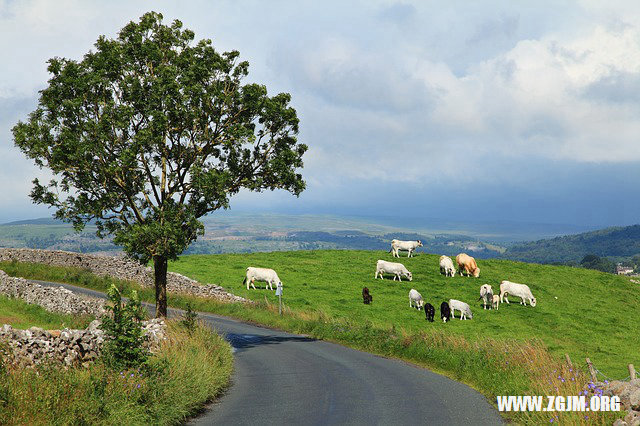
{"x":466,"y":265}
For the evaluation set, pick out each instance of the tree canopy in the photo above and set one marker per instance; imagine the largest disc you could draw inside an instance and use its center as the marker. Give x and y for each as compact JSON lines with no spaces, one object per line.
{"x":152,"y":131}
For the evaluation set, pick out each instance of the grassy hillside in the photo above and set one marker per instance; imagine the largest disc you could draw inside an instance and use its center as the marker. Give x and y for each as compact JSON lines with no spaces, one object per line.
{"x":581,"y":312}
{"x":618,"y":242}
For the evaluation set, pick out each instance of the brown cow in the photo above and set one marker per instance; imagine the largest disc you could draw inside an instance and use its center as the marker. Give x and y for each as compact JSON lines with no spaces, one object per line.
{"x":467,"y":265}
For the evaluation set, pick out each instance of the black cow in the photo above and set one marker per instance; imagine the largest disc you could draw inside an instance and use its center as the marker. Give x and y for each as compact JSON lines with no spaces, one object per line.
{"x":366,"y":297}
{"x":429,"y":312}
{"x":445,"y":312}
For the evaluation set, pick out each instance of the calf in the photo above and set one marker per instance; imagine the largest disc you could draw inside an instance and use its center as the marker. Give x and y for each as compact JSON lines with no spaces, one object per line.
{"x":445,"y":312}
{"x":496,"y":301}
{"x":367,"y":298}
{"x":415,"y":298}
{"x":429,"y":311}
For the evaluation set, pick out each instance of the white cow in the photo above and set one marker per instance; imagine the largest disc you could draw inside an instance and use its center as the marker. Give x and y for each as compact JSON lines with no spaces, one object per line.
{"x":415,"y":298}
{"x":266,"y":275}
{"x":465,"y":310}
{"x":507,"y":288}
{"x":409,"y":246}
{"x":446,"y":266}
{"x":397,"y":269}
{"x":486,"y":294}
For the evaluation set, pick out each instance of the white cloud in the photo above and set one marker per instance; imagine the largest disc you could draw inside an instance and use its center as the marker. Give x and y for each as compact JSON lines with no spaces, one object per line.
{"x":389,"y":92}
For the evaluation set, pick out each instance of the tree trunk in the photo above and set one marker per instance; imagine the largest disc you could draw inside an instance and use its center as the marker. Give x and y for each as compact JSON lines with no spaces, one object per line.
{"x":160,"y":275}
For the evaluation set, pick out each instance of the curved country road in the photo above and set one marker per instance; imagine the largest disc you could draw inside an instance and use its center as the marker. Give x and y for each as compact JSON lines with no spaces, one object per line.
{"x":282,"y":378}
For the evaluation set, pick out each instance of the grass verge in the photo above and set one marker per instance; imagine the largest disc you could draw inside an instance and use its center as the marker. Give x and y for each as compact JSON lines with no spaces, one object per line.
{"x":188,"y":371}
{"x":19,"y":314}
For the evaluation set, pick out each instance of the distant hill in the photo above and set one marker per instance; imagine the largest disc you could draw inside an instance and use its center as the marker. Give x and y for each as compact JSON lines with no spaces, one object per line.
{"x":39,"y":221}
{"x":616,"y":242}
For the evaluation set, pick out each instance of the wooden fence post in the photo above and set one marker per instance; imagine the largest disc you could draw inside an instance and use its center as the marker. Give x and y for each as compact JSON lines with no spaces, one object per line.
{"x":632,"y":372}
{"x":566,"y":356}
{"x":592,"y":371}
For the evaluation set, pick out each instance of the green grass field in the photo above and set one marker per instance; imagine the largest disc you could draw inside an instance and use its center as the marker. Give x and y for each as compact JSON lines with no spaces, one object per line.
{"x":22,"y":315}
{"x":580,"y":312}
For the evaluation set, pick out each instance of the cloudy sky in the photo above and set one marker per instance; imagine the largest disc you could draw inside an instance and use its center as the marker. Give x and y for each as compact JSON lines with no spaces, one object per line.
{"x":467,"y":111}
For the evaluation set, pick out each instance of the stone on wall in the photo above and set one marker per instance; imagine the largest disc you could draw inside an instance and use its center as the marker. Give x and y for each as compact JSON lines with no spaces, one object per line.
{"x":54,"y":299}
{"x":67,"y":347}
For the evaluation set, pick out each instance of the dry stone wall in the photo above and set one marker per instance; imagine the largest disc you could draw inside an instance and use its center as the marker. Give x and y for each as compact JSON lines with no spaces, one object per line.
{"x":54,"y":299}
{"x":68,"y":347}
{"x":629,"y":393}
{"x":119,"y":268}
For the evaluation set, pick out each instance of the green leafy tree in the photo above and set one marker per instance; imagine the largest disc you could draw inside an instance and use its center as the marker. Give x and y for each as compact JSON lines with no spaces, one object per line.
{"x":152,"y":131}
{"x":592,"y":261}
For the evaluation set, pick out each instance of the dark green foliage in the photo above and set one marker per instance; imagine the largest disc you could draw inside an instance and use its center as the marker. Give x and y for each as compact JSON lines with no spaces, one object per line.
{"x":189,"y":318}
{"x":124,"y":341}
{"x":151,"y":131}
{"x":613,"y":242}
{"x":591,"y":261}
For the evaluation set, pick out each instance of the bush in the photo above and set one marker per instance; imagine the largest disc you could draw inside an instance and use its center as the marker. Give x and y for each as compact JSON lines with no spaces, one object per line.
{"x":189,"y":318}
{"x":124,"y":340}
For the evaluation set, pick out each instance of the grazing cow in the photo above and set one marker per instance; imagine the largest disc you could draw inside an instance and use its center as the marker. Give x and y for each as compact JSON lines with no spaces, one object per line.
{"x":415,"y":298}
{"x":408,"y":246}
{"x":465,"y":310}
{"x":486,"y":294}
{"x":507,"y":288}
{"x":445,"y":311}
{"x":397,"y":269}
{"x":429,"y":311}
{"x":446,"y":266}
{"x":467,"y":265}
{"x":367,"y":298}
{"x":496,"y":301}
{"x":266,"y":275}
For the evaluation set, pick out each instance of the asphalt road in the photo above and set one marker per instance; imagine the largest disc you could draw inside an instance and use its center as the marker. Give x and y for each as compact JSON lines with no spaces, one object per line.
{"x":282,"y":378}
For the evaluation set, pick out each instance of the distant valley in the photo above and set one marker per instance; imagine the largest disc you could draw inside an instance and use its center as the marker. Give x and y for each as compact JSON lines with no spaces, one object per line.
{"x":245,"y":233}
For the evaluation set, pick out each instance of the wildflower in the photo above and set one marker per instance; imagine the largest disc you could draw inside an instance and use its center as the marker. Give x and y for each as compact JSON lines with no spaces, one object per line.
{"x":138,"y":386}
{"x":551,"y":420}
{"x":131,"y":375}
{"x":562,"y":380}
{"x":606,"y":382}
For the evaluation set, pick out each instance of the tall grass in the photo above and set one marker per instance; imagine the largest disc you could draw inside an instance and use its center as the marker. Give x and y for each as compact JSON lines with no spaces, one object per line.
{"x":188,"y":371}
